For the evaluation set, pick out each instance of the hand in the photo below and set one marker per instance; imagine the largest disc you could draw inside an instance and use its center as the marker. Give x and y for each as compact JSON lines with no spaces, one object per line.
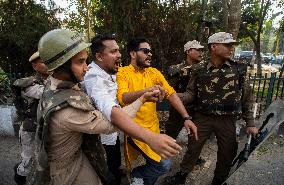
{"x":252,"y":130}
{"x":164,"y":145}
{"x":150,"y":96}
{"x":191,"y":128}
{"x":162,"y":93}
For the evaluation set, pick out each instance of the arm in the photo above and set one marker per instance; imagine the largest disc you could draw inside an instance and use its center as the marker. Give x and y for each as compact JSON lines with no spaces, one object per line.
{"x":190,"y":94}
{"x":162,"y":144}
{"x":134,"y":107}
{"x":91,"y":122}
{"x":157,"y":91}
{"x":247,"y":108}
{"x":34,"y":91}
{"x":125,"y":96}
{"x":177,"y":104}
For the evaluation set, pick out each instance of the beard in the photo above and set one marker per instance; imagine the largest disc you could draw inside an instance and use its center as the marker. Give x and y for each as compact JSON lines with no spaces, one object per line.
{"x":140,"y":63}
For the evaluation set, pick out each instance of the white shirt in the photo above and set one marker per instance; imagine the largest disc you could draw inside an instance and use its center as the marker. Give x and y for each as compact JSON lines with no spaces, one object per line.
{"x":102,"y":88}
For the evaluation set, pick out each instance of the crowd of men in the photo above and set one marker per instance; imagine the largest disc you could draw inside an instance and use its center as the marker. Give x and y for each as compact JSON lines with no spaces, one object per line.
{"x":72,"y":112}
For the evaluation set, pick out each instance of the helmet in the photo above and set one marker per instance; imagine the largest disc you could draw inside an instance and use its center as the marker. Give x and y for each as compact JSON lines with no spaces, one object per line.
{"x":34,"y":57}
{"x":57,"y":46}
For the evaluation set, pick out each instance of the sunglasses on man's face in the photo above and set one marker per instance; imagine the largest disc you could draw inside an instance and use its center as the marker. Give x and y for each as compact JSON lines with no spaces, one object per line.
{"x":145,"y":50}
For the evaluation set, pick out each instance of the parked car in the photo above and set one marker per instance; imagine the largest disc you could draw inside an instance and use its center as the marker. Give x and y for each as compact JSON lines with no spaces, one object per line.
{"x":246,"y":57}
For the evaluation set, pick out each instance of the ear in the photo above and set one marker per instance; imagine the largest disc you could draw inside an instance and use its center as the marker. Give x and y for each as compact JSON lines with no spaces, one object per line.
{"x":34,"y":65}
{"x":213,"y":46}
{"x":133,"y":54}
{"x":99,"y":57}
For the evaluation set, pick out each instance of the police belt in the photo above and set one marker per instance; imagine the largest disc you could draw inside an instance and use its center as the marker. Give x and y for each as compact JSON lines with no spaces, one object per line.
{"x":225,"y":108}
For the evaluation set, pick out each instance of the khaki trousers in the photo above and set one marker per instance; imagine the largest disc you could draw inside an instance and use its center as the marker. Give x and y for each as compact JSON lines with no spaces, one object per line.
{"x":225,"y":130}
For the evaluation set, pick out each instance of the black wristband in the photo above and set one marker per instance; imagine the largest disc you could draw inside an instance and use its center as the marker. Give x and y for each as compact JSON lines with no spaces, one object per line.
{"x":187,"y":118}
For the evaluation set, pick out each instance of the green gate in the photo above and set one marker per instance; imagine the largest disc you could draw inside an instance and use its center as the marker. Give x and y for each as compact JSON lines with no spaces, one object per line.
{"x":267,"y":88}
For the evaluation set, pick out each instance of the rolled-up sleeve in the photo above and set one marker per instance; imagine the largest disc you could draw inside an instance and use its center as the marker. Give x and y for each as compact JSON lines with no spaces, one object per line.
{"x":96,"y":88}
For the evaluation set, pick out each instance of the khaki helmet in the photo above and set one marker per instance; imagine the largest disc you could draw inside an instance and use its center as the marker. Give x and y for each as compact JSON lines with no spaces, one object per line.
{"x":57,"y":46}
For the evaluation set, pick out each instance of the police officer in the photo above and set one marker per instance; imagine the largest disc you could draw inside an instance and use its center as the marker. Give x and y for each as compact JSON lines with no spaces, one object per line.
{"x":28,"y":92}
{"x":68,"y":149}
{"x":178,"y":77}
{"x":221,"y":95}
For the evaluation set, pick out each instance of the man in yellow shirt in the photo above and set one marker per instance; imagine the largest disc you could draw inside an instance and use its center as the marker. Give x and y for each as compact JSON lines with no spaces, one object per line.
{"x":133,"y":81}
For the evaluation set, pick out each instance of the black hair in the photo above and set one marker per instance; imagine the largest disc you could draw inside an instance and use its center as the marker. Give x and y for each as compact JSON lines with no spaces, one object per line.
{"x":97,"y":42}
{"x":133,"y":45}
{"x":66,"y":68}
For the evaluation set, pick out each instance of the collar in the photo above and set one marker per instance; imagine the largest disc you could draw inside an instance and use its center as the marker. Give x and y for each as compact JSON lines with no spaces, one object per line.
{"x":226,"y":63}
{"x":137,"y":70}
{"x":100,"y":72}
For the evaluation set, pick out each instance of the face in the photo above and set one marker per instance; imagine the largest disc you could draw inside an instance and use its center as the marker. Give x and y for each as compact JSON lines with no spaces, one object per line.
{"x":79,"y":66}
{"x":40,"y":67}
{"x":224,"y":51}
{"x":195,"y":54}
{"x":143,"y":55}
{"x":110,"y":57}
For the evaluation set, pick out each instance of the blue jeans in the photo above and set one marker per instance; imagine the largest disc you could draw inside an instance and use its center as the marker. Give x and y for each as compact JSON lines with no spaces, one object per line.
{"x":151,"y":171}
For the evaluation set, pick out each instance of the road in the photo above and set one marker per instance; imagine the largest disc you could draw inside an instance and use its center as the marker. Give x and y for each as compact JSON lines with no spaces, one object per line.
{"x":264,"y":167}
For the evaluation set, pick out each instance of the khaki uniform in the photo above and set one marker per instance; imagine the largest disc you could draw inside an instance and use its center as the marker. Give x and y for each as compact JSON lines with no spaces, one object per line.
{"x":28,"y":92}
{"x":221,"y":96}
{"x":68,"y":151}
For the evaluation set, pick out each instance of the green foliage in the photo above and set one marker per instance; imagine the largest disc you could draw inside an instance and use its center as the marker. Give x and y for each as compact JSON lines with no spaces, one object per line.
{"x":22,"y":23}
{"x":167,"y":25}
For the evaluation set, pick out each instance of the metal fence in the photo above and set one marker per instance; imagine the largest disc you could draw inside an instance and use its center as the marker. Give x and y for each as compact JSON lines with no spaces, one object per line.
{"x":267,"y":88}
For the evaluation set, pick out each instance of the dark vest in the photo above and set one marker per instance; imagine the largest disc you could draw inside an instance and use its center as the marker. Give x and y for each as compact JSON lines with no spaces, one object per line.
{"x":52,"y":101}
{"x":219,"y":91}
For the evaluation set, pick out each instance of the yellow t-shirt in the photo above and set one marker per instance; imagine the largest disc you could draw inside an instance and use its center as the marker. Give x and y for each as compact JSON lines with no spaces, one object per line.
{"x":129,"y":80}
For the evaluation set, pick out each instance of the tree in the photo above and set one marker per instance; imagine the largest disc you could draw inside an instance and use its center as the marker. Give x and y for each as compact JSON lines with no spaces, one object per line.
{"x":22,"y":23}
{"x":253,"y":18}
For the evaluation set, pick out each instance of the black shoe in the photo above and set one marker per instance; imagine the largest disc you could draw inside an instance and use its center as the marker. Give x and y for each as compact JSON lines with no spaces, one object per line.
{"x":20,"y":180}
{"x":177,"y":179}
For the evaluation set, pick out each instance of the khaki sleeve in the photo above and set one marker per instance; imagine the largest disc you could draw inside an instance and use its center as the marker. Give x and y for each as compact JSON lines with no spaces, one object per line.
{"x":90,"y":122}
{"x":133,"y":108}
{"x":190,"y":94}
{"x":247,"y":104}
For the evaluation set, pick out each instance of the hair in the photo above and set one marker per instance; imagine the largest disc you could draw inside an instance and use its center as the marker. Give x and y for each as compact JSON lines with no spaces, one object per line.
{"x":66,"y":68}
{"x":97,"y":42}
{"x":133,"y":45}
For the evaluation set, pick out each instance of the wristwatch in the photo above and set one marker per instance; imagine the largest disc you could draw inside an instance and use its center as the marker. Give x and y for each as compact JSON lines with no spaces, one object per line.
{"x":187,"y":118}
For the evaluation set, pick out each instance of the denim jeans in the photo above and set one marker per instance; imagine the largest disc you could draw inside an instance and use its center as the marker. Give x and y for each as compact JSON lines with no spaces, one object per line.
{"x":152,"y":170}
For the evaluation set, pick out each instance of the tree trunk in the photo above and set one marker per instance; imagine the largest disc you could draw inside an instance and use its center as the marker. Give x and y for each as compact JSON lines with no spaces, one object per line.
{"x":225,"y":14}
{"x":234,"y":17}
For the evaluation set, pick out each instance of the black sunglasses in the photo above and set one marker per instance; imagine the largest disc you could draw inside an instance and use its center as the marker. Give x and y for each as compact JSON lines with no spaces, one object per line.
{"x":145,"y":50}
